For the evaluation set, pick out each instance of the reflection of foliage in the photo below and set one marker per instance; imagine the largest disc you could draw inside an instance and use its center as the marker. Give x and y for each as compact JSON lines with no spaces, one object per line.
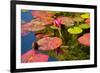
{"x":72,"y":26}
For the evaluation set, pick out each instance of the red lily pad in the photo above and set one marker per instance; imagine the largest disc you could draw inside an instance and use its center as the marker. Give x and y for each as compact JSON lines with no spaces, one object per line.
{"x":40,"y":35}
{"x":68,"y":21}
{"x":87,"y":21}
{"x":45,"y":16}
{"x":34,"y":25}
{"x":49,"y":43}
{"x":32,"y":56}
{"x":85,"y":39}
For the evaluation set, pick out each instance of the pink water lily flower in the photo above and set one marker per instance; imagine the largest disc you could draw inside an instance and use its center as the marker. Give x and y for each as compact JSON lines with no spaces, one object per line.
{"x":57,"y":22}
{"x":32,"y":56}
{"x":49,"y":43}
{"x":85,"y":39}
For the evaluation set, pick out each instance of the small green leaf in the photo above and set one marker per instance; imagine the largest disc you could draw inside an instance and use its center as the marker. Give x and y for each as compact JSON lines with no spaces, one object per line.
{"x":64,"y":46}
{"x":53,"y":27}
{"x":84,"y":26}
{"x":85,"y":16}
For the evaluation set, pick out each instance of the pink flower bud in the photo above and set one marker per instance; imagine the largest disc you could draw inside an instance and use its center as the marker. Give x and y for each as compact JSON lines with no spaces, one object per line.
{"x":57,"y":22}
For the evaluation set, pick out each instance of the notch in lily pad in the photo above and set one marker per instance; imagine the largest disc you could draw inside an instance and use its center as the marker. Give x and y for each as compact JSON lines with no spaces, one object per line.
{"x":84,"y":26}
{"x":75,"y":30}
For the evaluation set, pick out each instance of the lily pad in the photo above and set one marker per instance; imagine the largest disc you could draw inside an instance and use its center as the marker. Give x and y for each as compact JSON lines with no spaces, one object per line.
{"x":49,"y":43}
{"x":45,"y":16}
{"x":87,"y":21}
{"x":75,"y":30}
{"x":67,"y":21}
{"x":78,"y":19}
{"x":85,"y":16}
{"x":85,"y":39}
{"x":32,"y":56}
{"x":84,"y":26}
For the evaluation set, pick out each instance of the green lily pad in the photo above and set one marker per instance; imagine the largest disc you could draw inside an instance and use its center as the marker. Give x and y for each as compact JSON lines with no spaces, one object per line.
{"x":75,"y":30}
{"x":53,"y":27}
{"x":84,"y":26}
{"x":85,"y":16}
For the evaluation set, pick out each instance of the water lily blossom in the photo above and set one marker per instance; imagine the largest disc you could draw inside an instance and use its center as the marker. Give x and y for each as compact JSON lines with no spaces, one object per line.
{"x":57,"y":22}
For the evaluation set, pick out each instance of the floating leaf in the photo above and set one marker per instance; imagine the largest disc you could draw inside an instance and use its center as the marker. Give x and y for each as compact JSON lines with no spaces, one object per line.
{"x":32,"y":56}
{"x":84,"y":26}
{"x":67,"y":21}
{"x":75,"y":30}
{"x":45,"y":16}
{"x":49,"y":43}
{"x":34,"y":25}
{"x":40,"y":35}
{"x":85,"y":39}
{"x":85,"y":16}
{"x":87,"y":21}
{"x":78,"y":19}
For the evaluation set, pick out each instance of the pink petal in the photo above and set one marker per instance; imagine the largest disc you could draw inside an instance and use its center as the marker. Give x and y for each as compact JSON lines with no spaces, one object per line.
{"x":57,"y":22}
